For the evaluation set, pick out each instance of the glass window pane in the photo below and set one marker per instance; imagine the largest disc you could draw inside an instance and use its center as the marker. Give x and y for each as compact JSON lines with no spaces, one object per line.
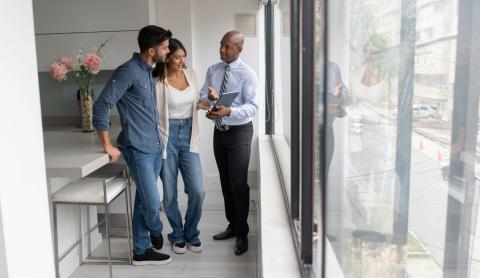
{"x":283,"y":102}
{"x":401,"y":137}
{"x":320,"y":156}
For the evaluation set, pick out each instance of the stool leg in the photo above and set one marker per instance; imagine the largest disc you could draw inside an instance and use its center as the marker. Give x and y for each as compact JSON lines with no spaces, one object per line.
{"x":89,"y":238}
{"x":107,"y":225}
{"x":79,"y":231}
{"x":131,"y":207}
{"x":55,"y":241}
{"x":128,"y":225}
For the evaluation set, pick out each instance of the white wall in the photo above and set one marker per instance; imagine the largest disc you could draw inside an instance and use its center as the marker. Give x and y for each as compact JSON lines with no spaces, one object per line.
{"x":177,"y":16}
{"x":23,"y":189}
{"x":3,"y":256}
{"x":201,"y":25}
{"x":62,"y":27}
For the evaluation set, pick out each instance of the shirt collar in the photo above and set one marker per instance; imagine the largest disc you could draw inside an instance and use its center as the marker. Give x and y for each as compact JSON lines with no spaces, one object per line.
{"x":141,"y":62}
{"x":235,"y":63}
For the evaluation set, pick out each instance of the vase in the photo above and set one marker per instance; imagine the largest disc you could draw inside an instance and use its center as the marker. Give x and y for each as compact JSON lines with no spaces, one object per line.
{"x":86,"y":109}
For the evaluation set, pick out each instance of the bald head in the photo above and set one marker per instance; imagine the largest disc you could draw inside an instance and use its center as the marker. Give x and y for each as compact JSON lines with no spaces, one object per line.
{"x":234,"y":37}
{"x":231,"y":46}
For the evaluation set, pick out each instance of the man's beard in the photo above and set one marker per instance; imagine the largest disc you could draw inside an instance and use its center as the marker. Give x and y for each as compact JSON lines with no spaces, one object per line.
{"x":158,"y":59}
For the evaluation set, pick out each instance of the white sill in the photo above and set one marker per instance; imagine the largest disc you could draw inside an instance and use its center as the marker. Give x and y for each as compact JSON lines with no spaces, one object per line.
{"x":333,"y":268}
{"x":277,"y":254}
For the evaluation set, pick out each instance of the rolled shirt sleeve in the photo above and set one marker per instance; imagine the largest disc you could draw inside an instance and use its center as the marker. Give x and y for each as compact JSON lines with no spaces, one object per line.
{"x":116,"y":87}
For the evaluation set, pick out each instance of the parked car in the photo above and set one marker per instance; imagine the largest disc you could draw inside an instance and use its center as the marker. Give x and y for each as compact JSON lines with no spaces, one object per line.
{"x":420,"y":111}
{"x":424,"y":111}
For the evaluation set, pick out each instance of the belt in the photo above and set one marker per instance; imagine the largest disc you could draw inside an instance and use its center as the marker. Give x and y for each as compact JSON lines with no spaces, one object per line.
{"x":223,"y":128}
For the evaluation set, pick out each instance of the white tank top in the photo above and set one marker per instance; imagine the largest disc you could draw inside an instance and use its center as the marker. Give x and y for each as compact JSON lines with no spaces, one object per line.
{"x":180,"y":103}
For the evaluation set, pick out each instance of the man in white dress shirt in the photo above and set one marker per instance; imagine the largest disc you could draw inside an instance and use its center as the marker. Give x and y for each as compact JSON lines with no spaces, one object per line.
{"x":233,"y":133}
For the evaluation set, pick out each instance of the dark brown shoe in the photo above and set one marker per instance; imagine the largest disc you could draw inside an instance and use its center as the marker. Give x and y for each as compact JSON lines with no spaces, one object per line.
{"x":228,"y":233}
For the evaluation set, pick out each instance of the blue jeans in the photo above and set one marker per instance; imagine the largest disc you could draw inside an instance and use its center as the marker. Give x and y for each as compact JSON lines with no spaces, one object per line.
{"x":145,"y":168}
{"x":180,"y":158}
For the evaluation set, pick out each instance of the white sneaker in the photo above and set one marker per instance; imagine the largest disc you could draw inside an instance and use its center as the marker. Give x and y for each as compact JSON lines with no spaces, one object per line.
{"x":195,"y":248}
{"x":179,"y":247}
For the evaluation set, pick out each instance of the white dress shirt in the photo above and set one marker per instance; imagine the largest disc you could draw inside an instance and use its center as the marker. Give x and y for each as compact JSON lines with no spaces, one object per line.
{"x":241,"y":79}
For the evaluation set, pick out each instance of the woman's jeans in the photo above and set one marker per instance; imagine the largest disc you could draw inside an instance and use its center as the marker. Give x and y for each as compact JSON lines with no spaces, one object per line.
{"x":180,"y":158}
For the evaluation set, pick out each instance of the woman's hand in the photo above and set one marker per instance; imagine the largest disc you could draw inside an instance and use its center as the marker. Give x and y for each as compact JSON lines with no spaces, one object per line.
{"x":204,"y":105}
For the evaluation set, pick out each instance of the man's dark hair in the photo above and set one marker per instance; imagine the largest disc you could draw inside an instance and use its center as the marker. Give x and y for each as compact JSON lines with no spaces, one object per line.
{"x":152,"y":36}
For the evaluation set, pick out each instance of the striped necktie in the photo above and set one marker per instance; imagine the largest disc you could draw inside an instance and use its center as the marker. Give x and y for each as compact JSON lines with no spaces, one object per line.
{"x":218,"y":122}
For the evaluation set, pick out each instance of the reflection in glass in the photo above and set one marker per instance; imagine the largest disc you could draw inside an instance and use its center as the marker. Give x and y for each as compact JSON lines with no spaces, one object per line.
{"x":402,"y":199}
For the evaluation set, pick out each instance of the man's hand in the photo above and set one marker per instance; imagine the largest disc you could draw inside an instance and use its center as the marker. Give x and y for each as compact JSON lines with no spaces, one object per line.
{"x":338,"y":90}
{"x":204,"y":105}
{"x":212,"y":94}
{"x":113,"y":153}
{"x":220,"y":112}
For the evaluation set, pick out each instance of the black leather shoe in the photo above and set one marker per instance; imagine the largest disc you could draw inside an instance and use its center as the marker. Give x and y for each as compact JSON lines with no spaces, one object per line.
{"x":241,"y":246}
{"x":228,"y":233}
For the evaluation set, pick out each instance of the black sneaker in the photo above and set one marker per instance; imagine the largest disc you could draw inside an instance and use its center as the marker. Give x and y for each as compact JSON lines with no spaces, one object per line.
{"x":157,"y":241}
{"x":179,"y":247}
{"x":151,"y":257}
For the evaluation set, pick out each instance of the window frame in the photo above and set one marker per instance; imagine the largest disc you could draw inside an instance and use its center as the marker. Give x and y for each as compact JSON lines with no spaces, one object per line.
{"x":303,"y":123}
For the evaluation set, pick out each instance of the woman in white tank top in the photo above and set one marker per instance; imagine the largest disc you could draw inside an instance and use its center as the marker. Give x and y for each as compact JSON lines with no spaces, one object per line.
{"x":370,"y":96}
{"x":177,"y":103}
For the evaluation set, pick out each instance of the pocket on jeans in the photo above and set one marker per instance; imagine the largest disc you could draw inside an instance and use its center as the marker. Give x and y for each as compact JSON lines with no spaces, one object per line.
{"x":136,"y":154}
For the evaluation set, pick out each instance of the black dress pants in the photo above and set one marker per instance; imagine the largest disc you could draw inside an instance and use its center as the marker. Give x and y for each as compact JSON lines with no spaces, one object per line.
{"x":232,"y":154}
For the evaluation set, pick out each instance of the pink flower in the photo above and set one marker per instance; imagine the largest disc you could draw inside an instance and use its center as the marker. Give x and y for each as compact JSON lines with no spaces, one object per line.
{"x":92,"y":62}
{"x":58,"y":72}
{"x":67,"y":62}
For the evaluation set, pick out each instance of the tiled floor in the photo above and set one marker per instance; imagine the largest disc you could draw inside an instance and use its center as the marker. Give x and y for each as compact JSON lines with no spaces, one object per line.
{"x":216,"y":260}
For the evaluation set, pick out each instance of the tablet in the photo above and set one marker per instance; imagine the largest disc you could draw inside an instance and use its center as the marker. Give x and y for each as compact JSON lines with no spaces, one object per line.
{"x":226,"y":99}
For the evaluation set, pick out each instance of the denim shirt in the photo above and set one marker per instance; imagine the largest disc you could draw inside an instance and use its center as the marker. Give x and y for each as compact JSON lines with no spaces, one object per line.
{"x":334,"y":78}
{"x":132,"y":89}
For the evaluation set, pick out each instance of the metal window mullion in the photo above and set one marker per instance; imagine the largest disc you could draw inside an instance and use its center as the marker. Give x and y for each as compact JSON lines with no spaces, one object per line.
{"x":308,"y":130}
{"x":460,"y":224}
{"x":269,"y":69}
{"x":295,"y":108}
{"x":406,"y":81}
{"x":323,"y":171}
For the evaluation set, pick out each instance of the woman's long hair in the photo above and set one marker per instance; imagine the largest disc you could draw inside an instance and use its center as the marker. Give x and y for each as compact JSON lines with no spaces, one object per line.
{"x":160,"y":69}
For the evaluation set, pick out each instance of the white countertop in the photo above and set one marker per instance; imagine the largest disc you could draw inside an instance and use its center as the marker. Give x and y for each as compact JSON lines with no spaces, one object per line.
{"x":69,"y":152}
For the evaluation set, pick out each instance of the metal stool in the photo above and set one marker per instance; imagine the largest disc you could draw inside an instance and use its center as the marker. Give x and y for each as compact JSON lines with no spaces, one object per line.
{"x":99,"y":188}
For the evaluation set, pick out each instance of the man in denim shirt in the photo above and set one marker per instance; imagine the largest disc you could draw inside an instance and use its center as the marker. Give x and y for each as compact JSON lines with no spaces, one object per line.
{"x":132,"y":89}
